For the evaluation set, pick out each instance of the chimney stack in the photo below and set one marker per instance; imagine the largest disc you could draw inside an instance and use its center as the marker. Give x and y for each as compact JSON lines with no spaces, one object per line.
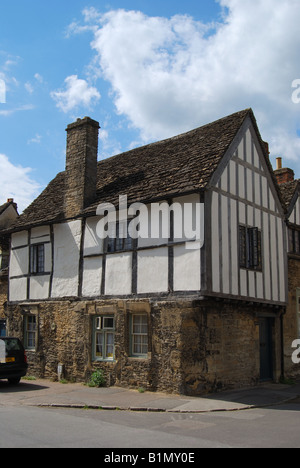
{"x":81,"y":166}
{"x":283,"y":175}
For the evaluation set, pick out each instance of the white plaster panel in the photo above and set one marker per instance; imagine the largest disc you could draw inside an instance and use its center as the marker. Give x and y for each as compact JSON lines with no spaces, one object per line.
{"x":249,"y":185}
{"x":224,"y":180}
{"x":225,"y":245}
{"x":259,"y":285}
{"x":39,"y":287}
{"x":241,"y":150}
{"x":19,"y":262}
{"x":264,"y":192}
{"x":274,"y":258}
{"x":248,"y":147}
{"x":232,"y":169}
{"x":93,"y":245}
{"x":243,"y":282}
{"x":234,"y":242}
{"x":241,"y":180}
{"x":118,"y":274}
{"x":266,"y":256}
{"x":257,"y":198}
{"x":153,"y":270}
{"x":48,"y":257}
{"x":66,"y":259}
{"x":189,"y":204}
{"x":215,"y":243}
{"x":40,"y":234}
{"x":154,"y":216}
{"x":18,"y":289}
{"x":92,"y":276}
{"x":186,"y":269}
{"x":256,"y":158}
{"x":19,"y":238}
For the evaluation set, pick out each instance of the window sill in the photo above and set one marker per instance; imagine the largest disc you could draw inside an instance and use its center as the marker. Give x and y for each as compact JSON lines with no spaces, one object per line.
{"x":112,"y":361}
{"x":143,"y":357}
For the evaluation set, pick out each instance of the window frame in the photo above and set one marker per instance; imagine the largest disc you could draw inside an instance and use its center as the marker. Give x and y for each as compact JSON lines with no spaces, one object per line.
{"x":37,"y":259}
{"x":116,"y":243}
{"x":30,"y":331}
{"x":250,"y":248}
{"x":103,"y":331}
{"x":134,"y":335}
{"x":294,"y":241}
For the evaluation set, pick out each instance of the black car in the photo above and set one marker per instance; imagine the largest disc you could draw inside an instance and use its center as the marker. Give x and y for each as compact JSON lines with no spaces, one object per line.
{"x":13,"y":360}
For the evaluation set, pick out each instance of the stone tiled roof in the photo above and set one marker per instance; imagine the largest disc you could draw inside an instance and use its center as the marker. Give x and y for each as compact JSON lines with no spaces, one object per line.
{"x":170,"y":167}
{"x":6,"y":205}
{"x":288,"y":190}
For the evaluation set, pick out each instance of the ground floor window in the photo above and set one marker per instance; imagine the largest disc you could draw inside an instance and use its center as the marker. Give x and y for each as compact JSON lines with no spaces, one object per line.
{"x":2,"y":328}
{"x":30,"y":331}
{"x":139,"y":335}
{"x":104,"y":339}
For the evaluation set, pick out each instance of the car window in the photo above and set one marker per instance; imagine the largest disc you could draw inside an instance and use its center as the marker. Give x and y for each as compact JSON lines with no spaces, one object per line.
{"x":13,"y":344}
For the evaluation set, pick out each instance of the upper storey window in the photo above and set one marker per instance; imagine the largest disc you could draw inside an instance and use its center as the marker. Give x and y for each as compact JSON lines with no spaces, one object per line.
{"x":250,"y":248}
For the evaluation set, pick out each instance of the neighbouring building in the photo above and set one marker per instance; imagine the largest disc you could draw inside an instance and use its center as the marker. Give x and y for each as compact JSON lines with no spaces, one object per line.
{"x":8,"y":213}
{"x":290,"y":188}
{"x":155,"y":311}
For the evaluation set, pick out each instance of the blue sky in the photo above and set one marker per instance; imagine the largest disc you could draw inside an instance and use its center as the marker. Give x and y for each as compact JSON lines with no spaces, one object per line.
{"x":146,"y":70}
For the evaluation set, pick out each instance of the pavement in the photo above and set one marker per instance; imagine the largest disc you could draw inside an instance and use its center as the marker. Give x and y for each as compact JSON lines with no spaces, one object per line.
{"x":45,"y":393}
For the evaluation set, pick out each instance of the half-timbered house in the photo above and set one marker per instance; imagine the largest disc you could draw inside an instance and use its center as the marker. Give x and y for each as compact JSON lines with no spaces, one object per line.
{"x":183,"y":310}
{"x":290,"y":189}
{"x":8,"y":214}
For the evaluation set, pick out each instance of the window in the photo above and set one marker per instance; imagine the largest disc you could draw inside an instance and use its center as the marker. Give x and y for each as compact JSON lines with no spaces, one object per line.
{"x":118,"y":239}
{"x":139,"y":335}
{"x":294,"y":241}
{"x":2,"y":328}
{"x":104,"y":339}
{"x":37,"y":258}
{"x":30,"y":330}
{"x":250,"y":248}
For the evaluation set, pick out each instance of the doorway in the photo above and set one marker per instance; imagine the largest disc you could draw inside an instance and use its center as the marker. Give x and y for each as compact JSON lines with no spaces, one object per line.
{"x":266,"y":351}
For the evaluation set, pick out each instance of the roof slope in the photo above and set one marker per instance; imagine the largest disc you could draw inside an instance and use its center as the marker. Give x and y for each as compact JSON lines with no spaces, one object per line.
{"x":288,"y":190}
{"x":170,"y":167}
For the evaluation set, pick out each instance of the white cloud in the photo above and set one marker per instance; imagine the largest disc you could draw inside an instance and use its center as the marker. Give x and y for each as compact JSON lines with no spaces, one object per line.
{"x":77,"y":93}
{"x":37,"y":139}
{"x":29,"y":88}
{"x":13,"y":110}
{"x":16,"y":183}
{"x":170,"y":75}
{"x":39,"y":78}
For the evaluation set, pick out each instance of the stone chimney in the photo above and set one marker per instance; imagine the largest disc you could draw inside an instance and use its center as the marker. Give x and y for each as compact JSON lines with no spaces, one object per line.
{"x":81,"y":166}
{"x":283,"y":175}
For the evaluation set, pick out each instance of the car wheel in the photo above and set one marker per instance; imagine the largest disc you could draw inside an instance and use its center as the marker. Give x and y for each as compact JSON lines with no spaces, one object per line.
{"x":14,"y":381}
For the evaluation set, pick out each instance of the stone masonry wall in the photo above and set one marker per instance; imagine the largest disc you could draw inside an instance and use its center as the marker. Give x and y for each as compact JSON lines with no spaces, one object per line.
{"x":290,"y":320}
{"x":194,"y":347}
{"x":3,"y":295}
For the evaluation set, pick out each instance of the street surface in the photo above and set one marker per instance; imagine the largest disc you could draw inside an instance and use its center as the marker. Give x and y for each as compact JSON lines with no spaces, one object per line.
{"x":25,"y":426}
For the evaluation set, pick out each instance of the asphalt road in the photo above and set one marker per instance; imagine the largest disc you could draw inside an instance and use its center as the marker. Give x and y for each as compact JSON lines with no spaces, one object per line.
{"x":30,"y":427}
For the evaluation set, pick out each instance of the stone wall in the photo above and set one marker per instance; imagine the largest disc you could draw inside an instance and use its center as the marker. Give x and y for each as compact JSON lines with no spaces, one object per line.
{"x":3,"y":294}
{"x":81,"y":166}
{"x":193,"y":347}
{"x":290,"y":320}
